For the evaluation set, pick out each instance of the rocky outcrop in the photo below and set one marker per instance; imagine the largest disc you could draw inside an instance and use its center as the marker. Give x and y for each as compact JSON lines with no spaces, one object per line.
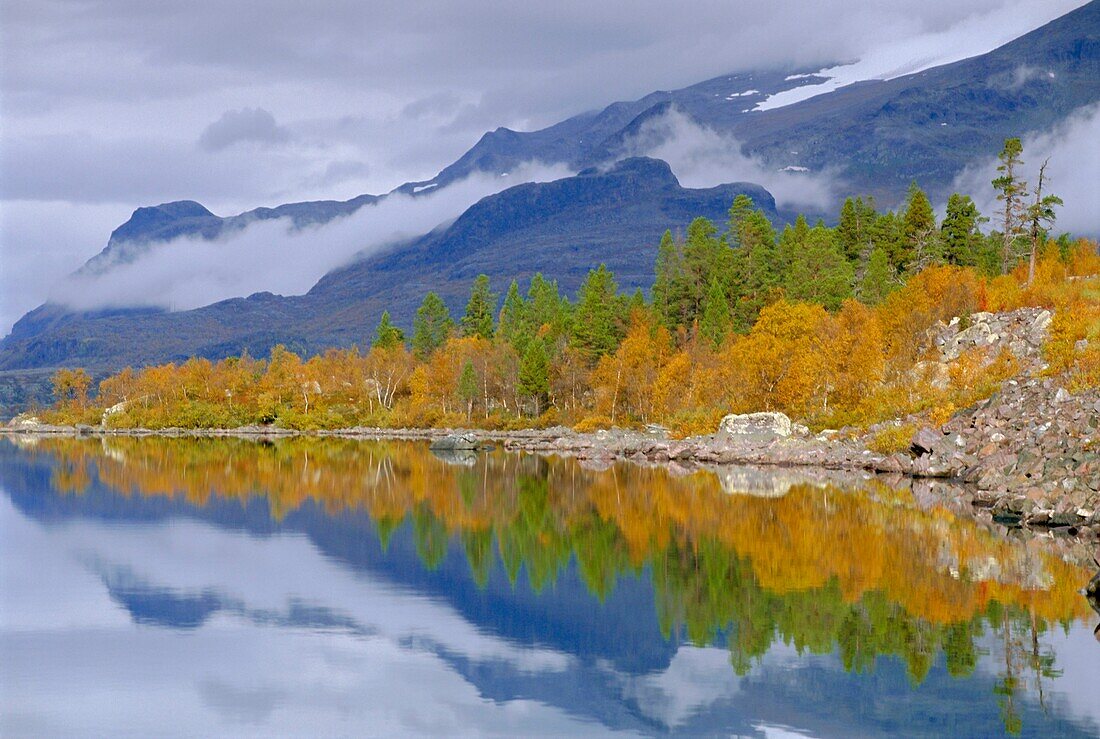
{"x":1021,"y":332}
{"x":755,"y":426}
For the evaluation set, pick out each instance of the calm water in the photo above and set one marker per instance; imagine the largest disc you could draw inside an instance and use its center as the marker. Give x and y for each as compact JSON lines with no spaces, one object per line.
{"x":178,"y":587}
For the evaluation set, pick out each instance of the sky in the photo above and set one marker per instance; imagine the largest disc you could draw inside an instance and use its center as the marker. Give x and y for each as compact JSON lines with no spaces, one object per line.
{"x":108,"y":105}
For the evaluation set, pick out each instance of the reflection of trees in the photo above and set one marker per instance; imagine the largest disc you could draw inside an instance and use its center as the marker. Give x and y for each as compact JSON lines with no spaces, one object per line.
{"x":862,"y":572}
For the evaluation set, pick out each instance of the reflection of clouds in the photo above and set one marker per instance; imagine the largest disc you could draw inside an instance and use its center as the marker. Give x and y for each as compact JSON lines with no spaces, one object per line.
{"x":349,"y":652}
{"x":696,"y":678}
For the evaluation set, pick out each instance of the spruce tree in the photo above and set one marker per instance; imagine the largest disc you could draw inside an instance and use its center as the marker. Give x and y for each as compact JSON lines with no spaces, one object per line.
{"x":534,"y":373}
{"x":716,"y":321}
{"x":515,"y":324}
{"x":755,"y":269}
{"x":820,"y":273}
{"x":668,"y":278}
{"x":387,"y":335}
{"x":431,"y":326}
{"x":918,"y":227}
{"x":855,"y":226}
{"x":595,"y":330}
{"x":878,"y":278}
{"x":959,"y":231}
{"x":546,"y":307}
{"x":478,"y":320}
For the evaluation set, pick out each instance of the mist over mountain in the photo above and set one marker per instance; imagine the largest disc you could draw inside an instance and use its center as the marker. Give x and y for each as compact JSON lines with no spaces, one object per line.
{"x":173,"y":280}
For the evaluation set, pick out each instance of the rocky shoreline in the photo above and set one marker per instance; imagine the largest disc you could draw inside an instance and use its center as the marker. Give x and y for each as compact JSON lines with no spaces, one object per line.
{"x":1029,"y":455}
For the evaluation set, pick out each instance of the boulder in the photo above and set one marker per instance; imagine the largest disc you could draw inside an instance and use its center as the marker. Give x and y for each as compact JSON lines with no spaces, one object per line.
{"x":456,"y":442}
{"x":764,"y":426}
{"x":24,"y":421}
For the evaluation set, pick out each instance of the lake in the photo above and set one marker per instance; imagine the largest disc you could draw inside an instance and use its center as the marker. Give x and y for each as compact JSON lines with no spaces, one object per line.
{"x":320,"y":587}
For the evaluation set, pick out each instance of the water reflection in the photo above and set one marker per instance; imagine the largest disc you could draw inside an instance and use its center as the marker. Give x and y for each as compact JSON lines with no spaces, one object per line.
{"x":282,"y":585}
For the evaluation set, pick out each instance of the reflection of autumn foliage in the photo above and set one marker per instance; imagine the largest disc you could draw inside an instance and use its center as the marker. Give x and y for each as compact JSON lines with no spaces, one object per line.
{"x":865,"y":571}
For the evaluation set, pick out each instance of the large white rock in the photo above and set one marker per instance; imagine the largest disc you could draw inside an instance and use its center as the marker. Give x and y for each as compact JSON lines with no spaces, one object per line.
{"x":755,"y":426}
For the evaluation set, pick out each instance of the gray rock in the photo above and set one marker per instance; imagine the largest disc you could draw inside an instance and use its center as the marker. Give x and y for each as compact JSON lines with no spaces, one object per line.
{"x":465,"y":441}
{"x":764,"y":426}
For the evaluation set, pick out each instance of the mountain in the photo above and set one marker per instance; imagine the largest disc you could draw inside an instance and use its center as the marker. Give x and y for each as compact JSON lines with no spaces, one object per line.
{"x":873,"y":137}
{"x":561,"y":228}
{"x":878,"y":136}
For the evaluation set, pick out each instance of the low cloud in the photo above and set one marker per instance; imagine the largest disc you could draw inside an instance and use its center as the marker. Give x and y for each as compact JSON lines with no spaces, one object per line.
{"x":247,"y":124}
{"x":1074,"y":162}
{"x":273,"y":256}
{"x":703,"y":157}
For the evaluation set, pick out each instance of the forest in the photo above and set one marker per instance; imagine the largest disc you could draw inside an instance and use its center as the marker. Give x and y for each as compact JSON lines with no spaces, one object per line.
{"x":827,"y":324}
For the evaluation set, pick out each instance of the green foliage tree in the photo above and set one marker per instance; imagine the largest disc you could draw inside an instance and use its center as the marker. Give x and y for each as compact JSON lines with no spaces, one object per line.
{"x":755,"y":267}
{"x":515,"y":322}
{"x":478,"y":319}
{"x":1040,"y":217}
{"x":534,"y":374}
{"x":878,"y":278}
{"x":431,"y":327}
{"x":919,"y":245}
{"x":855,"y":227}
{"x":667,"y":283}
{"x":387,"y":335}
{"x":820,"y":272}
{"x":959,"y":231}
{"x":716,"y":321}
{"x":546,"y":305}
{"x":596,"y":330}
{"x":1011,"y":190}
{"x":467,"y":387}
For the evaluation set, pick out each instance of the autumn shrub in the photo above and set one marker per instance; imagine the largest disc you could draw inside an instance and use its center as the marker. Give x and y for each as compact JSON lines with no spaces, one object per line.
{"x":892,"y":439}
{"x":588,"y":424}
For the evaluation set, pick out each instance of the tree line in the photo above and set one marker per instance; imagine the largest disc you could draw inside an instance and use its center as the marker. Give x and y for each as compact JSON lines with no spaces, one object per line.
{"x":825,"y":323}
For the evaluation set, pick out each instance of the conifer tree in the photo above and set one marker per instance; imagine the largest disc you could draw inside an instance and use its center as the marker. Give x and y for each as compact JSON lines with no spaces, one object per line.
{"x":755,"y":269}
{"x":878,"y":278}
{"x":546,"y":307}
{"x":1040,"y":216}
{"x":959,"y":231}
{"x":1010,"y":191}
{"x":667,"y":283}
{"x":820,"y":272}
{"x":595,"y":322}
{"x":478,"y":320}
{"x":515,"y":324}
{"x":431,"y":326}
{"x":716,"y":321}
{"x":534,"y":373}
{"x":918,"y":231}
{"x":387,"y":335}
{"x":702,"y":259}
{"x":855,"y":227}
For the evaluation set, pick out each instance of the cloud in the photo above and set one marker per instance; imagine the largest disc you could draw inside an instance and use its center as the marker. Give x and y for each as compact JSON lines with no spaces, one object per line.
{"x":247,"y":124}
{"x":702,"y":157}
{"x":275,"y":257}
{"x":1074,"y":161}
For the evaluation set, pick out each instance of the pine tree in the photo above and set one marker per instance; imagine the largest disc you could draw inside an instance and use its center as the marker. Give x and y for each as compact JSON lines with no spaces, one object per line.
{"x":918,"y":227}
{"x":702,"y":259}
{"x":878,"y":278}
{"x":716,"y":321}
{"x":1010,"y":191}
{"x":467,"y":387}
{"x":959,"y":231}
{"x":854,"y":227}
{"x":1040,"y":216}
{"x":595,"y":322}
{"x":667,"y":302}
{"x":755,"y":269}
{"x":534,"y":373}
{"x":478,"y":320}
{"x":431,"y":326}
{"x":820,"y":273}
{"x":515,"y":323}
{"x":387,"y":335}
{"x":546,"y":307}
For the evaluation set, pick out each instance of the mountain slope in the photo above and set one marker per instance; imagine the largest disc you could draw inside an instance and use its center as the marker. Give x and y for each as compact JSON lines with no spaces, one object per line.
{"x":879,"y":135}
{"x":562,"y":228}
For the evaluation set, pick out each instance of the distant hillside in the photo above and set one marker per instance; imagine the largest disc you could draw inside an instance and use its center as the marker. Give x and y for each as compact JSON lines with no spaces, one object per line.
{"x":561,"y":228}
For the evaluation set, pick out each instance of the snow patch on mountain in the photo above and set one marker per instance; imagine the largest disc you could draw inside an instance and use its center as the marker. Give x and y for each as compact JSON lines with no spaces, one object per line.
{"x":979,"y":34}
